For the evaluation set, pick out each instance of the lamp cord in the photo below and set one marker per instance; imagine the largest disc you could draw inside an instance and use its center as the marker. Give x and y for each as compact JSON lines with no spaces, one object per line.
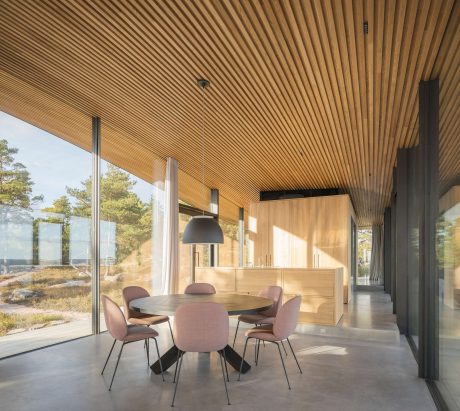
{"x":203,"y":131}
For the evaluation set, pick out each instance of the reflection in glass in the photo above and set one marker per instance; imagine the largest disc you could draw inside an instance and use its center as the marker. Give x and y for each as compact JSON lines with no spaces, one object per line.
{"x":448,"y":256}
{"x":45,"y":290}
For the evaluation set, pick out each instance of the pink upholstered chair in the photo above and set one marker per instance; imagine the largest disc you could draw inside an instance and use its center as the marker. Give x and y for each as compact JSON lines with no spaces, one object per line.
{"x":200,"y":327}
{"x":120,"y":331}
{"x":273,"y":292}
{"x":136,"y":318}
{"x":200,"y":288}
{"x":283,"y":326}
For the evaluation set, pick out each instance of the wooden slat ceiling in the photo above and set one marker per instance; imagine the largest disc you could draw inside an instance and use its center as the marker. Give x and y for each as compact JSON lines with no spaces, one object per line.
{"x":300,"y":96}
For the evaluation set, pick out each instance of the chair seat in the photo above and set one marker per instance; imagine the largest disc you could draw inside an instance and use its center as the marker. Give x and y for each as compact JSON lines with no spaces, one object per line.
{"x":262,"y":333}
{"x":256,"y":319}
{"x":139,"y":332}
{"x":147,"y":319}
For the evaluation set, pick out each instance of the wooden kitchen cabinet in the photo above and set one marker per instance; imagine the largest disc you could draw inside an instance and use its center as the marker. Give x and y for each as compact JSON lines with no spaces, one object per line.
{"x":312,"y":232}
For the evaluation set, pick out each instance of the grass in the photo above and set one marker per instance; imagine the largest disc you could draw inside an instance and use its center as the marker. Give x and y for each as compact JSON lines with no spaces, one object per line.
{"x":73,"y":299}
{"x":14,"y":321}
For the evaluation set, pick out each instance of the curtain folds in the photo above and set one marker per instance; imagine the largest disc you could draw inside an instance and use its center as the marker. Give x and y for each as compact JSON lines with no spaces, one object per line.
{"x":171,"y":229}
{"x":165,"y":228}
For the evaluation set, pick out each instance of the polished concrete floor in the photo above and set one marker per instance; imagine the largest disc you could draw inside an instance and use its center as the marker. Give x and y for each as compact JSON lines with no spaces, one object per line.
{"x":338,"y":374}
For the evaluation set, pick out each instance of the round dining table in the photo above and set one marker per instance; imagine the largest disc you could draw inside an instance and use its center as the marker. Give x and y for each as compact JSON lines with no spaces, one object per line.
{"x":235,"y":304}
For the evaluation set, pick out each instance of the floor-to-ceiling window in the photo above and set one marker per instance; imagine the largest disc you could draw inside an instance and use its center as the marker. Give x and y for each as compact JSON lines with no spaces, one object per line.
{"x":229,"y":250}
{"x":45,"y":259}
{"x":228,"y":220}
{"x":364,"y":255}
{"x":448,"y":256}
{"x":125,"y":231}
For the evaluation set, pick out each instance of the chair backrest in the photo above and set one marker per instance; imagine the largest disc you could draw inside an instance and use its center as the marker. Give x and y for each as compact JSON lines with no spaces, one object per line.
{"x":131,"y":293}
{"x":286,"y":320}
{"x":275,"y":293}
{"x":114,"y":319}
{"x":201,"y":327}
{"x":200,"y":288}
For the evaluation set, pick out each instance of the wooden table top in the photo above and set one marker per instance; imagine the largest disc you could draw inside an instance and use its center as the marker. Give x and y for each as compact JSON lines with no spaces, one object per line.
{"x":235,"y":304}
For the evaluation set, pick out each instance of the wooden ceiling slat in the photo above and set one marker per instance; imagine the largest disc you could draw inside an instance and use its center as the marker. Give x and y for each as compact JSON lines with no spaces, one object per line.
{"x":300,"y":96}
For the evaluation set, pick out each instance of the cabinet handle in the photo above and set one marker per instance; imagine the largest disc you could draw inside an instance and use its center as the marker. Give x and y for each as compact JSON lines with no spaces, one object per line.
{"x":266,"y":259}
{"x":270,"y":260}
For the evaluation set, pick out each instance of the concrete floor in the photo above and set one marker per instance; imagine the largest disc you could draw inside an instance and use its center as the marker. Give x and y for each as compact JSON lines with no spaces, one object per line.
{"x":338,"y":374}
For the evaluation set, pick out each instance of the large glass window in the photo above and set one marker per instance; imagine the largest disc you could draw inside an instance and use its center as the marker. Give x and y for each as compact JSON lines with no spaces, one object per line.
{"x":125,"y":231}
{"x":45,"y":263}
{"x":364,"y":255}
{"x":448,"y":227}
{"x":229,"y":250}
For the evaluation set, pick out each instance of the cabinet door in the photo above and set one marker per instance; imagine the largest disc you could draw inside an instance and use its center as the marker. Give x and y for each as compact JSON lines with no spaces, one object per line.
{"x":330,"y":243}
{"x":259,"y":232}
{"x":279,"y":233}
{"x":301,"y":254}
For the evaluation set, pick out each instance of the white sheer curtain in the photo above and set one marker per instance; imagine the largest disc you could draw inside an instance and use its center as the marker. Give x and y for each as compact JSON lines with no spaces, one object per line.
{"x":171,"y":229}
{"x":165,"y":220}
{"x":376,"y":266}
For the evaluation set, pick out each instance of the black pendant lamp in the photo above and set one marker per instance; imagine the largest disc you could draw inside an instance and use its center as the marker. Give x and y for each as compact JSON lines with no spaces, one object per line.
{"x":203,"y":229}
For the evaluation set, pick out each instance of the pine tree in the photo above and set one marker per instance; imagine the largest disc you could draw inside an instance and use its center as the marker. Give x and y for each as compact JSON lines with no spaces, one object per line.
{"x":15,"y":182}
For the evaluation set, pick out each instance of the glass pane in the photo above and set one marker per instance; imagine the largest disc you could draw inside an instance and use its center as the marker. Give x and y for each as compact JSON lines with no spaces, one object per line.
{"x":229,"y":250}
{"x":448,"y":232}
{"x":449,"y":297}
{"x":125,"y":232}
{"x":185,"y":255}
{"x":364,"y":255}
{"x":45,"y":263}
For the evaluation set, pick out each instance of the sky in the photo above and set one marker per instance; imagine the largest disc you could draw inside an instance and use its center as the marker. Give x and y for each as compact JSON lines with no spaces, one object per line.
{"x":52,"y":162}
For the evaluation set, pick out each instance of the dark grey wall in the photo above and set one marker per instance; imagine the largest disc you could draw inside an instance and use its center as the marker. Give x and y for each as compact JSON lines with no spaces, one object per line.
{"x":387,"y":251}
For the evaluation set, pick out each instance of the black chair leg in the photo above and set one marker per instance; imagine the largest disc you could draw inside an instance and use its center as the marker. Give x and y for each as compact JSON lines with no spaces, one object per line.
{"x":177,"y":364}
{"x":116,"y":366}
{"x":258,"y":352}
{"x":110,"y":353}
{"x":170,"y":330}
{"x":282,"y":362}
{"x":298,"y":365}
{"x":236,"y":332}
{"x":159,"y":359}
{"x":223,"y":375}
{"x":225,"y":362}
{"x":242,"y":360}
{"x":148,"y":351}
{"x":178,"y":376}
{"x":284,"y":348}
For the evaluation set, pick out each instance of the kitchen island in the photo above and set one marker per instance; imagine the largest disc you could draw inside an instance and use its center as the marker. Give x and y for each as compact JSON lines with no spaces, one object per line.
{"x":321,"y":288}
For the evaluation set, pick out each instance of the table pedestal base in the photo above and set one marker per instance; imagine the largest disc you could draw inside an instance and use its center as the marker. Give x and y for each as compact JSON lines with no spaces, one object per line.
{"x":170,"y":357}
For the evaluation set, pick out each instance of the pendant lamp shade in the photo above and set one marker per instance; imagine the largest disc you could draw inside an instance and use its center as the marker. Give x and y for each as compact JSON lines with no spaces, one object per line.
{"x":203,"y":229}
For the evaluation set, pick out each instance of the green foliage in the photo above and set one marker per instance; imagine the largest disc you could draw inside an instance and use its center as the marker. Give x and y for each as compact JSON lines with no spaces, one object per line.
{"x":229,"y":229}
{"x":119,"y":204}
{"x":62,"y":207}
{"x":364,"y":249}
{"x":15,"y":182}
